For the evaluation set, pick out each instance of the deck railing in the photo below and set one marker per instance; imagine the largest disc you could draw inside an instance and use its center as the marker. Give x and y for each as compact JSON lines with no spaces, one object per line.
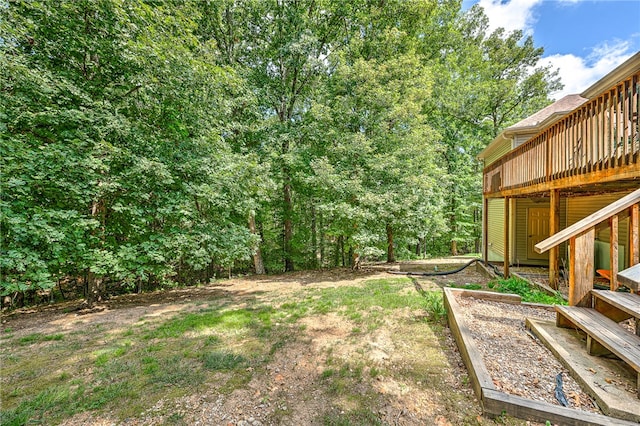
{"x":599,"y":139}
{"x":581,"y":237}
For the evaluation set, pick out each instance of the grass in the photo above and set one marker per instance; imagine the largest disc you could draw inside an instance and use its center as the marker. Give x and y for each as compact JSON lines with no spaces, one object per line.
{"x":526,"y":291}
{"x":39,"y":337}
{"x":359,"y":417}
{"x":126,"y":372}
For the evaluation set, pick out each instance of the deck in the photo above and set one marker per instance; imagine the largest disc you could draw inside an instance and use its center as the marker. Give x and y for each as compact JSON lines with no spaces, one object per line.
{"x":596,"y":145}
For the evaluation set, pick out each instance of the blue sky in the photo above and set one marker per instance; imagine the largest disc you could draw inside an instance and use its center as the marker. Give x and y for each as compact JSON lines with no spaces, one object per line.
{"x":584,"y":39}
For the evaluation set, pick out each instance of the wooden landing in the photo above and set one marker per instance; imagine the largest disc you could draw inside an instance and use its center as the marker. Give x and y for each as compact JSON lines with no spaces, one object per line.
{"x":604,"y":336}
{"x":630,"y":277}
{"x":594,"y":373}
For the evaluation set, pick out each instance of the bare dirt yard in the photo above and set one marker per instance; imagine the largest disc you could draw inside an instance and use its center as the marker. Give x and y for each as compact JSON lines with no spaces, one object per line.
{"x":331,"y":347}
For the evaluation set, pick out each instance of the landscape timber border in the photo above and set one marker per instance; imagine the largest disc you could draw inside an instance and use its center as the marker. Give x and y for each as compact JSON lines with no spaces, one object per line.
{"x":493,"y":401}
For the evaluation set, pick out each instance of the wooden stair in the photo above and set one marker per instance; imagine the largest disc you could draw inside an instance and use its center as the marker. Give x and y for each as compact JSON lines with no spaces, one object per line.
{"x":617,"y":306}
{"x":630,"y":278}
{"x":605,"y":336}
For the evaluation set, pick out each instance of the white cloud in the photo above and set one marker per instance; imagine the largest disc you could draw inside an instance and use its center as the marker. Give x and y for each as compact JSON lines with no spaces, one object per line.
{"x":578,"y":74}
{"x":511,"y":15}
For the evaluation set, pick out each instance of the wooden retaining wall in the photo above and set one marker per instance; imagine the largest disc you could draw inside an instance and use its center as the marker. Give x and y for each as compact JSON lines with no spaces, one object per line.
{"x":494,"y":402}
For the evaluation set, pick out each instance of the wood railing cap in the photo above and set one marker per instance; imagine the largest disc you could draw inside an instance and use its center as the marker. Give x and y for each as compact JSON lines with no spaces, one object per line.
{"x":589,"y":222}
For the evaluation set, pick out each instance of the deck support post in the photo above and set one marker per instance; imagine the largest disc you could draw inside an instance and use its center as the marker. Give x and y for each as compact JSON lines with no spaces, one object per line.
{"x":613,"y":253}
{"x":485,"y":229}
{"x":581,"y":255}
{"x":507,"y":249}
{"x":634,"y":235}
{"x":554,"y":227}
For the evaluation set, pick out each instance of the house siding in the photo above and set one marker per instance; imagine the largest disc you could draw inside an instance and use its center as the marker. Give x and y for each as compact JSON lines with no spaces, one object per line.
{"x":522,"y":208}
{"x":503,"y":148}
{"x":580,"y":207}
{"x":520,"y":139}
{"x":495,"y":231}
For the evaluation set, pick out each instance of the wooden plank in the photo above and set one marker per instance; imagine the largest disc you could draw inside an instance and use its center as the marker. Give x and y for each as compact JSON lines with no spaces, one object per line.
{"x":626,"y":131}
{"x":589,"y":221}
{"x":628,"y":173}
{"x":496,"y":403}
{"x":480,"y":378}
{"x":634,"y":235}
{"x":611,"y":139}
{"x":581,"y":258}
{"x":513,"y":299}
{"x":568,"y":348}
{"x":594,"y":348}
{"x":630,"y":277}
{"x":608,"y":333}
{"x":635,"y":125}
{"x":617,"y":305}
{"x":507,"y":249}
{"x":627,"y":302}
{"x":613,"y":252}
{"x":554,"y":227}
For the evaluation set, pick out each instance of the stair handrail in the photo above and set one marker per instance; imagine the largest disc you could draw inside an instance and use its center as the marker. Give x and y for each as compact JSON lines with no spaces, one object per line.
{"x":588,"y":222}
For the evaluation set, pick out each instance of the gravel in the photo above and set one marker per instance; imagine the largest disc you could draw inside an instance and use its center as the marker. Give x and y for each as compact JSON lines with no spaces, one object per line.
{"x":517,"y":361}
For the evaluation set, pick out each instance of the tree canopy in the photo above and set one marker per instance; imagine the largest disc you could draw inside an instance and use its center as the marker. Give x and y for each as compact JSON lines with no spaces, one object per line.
{"x":146,"y":144}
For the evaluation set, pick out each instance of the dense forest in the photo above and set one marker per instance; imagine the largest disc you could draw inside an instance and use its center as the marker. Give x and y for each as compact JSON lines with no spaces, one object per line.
{"x":147,"y":143}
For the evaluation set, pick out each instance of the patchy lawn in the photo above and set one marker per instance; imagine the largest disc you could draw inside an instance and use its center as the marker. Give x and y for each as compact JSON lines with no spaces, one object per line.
{"x":327,"y":348}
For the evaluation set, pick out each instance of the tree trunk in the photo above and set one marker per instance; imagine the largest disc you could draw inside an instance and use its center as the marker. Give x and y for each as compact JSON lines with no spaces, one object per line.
{"x":95,"y":288}
{"x":391,"y":257}
{"x":320,"y":253}
{"x":95,"y":283}
{"x":258,"y":264}
{"x":314,"y":238}
{"x":287,"y":204}
{"x":288,"y":226}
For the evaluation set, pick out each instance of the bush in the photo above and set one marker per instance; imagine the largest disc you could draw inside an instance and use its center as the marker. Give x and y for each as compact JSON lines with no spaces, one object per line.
{"x":527,"y":292}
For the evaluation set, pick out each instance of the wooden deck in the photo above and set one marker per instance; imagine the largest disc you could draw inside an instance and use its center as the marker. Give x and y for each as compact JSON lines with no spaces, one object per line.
{"x":598,"y":143}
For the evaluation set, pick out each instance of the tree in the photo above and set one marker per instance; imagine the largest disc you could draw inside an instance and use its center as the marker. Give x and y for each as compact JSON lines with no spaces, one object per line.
{"x":485,"y":82}
{"x":115,"y":167}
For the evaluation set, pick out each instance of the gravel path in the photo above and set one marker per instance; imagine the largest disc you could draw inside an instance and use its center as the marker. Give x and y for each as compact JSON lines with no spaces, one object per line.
{"x":517,"y":361}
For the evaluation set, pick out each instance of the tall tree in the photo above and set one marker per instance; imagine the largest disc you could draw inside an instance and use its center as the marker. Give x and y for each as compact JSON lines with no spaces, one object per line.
{"x":114,"y":165}
{"x":485,"y":82}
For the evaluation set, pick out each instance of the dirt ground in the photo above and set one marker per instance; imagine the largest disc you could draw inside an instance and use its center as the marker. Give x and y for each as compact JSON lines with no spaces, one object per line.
{"x":290,"y":389}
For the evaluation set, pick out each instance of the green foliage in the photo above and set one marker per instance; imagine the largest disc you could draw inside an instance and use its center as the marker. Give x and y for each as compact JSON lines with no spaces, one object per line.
{"x":528,"y":293}
{"x":138,"y":141}
{"x":218,"y":361}
{"x":434,"y":305}
{"x":38,"y":337}
{"x":113,"y":161}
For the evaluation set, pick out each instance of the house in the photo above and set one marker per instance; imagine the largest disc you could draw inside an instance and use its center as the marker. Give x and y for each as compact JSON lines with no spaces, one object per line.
{"x":560,"y":165}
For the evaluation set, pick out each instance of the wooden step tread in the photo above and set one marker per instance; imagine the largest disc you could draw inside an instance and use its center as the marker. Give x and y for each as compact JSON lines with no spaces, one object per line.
{"x":627,"y":302}
{"x":630,"y":277}
{"x":608,"y":333}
